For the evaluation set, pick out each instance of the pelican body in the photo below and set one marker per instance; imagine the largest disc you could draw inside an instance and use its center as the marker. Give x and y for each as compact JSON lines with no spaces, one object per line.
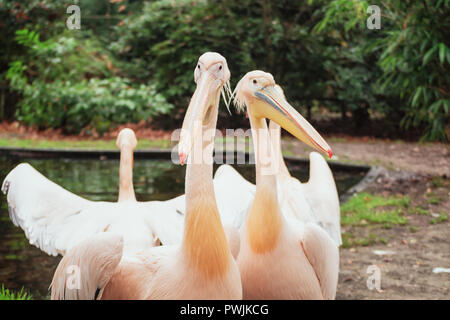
{"x":55,"y":219}
{"x":280,"y":257}
{"x":201,"y":266}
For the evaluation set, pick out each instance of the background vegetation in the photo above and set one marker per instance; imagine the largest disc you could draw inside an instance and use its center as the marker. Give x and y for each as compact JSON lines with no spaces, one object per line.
{"x":133,"y":60}
{"x":6,"y":294}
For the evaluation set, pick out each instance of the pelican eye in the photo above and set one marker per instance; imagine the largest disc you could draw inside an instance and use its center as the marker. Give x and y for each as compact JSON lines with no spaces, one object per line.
{"x":254,"y":81}
{"x":220,"y":67}
{"x":198,"y":66}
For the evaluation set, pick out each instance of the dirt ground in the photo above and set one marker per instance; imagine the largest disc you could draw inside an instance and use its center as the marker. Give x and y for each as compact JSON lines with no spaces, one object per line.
{"x":413,"y":250}
{"x":422,"y":172}
{"x":18,"y":131}
{"x":425,"y":158}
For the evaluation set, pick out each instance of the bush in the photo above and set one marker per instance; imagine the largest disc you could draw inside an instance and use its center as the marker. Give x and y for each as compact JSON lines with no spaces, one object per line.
{"x":96,"y":103}
{"x":408,"y":58}
{"x":53,"y":82}
{"x":16,"y":15}
{"x":320,"y":52}
{"x":164,"y":40}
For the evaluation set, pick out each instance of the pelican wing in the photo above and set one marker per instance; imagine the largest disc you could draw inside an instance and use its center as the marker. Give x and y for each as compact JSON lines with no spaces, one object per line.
{"x":292,"y":200}
{"x":53,"y":218}
{"x":234,"y":195}
{"x":321,"y":193}
{"x":323,"y":255}
{"x":86,"y":269}
{"x":166,"y":219}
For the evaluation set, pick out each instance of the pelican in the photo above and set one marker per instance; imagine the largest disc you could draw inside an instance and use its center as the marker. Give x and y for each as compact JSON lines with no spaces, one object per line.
{"x":201,"y":266}
{"x":55,"y":219}
{"x":280,"y":257}
{"x":316,"y":201}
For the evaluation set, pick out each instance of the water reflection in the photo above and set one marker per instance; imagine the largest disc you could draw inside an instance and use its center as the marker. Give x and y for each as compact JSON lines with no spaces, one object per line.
{"x":23,"y":265}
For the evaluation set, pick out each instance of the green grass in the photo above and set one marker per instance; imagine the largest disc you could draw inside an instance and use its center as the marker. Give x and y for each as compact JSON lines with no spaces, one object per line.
{"x":6,"y":294}
{"x":143,"y":144}
{"x":433,"y":199}
{"x":350,"y":240}
{"x":437,"y":182}
{"x":442,"y":217}
{"x":371,"y":211}
{"x":288,"y":153}
{"x":81,"y":144}
{"x":364,"y":208}
{"x":419,"y":211}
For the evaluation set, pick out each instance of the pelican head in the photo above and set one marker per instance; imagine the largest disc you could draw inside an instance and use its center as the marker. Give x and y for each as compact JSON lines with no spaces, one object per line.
{"x":265,"y":99}
{"x":126,"y":137}
{"x":211,"y":75}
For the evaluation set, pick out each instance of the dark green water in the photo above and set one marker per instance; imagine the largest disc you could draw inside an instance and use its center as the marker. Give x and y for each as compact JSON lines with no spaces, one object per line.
{"x":23,"y":265}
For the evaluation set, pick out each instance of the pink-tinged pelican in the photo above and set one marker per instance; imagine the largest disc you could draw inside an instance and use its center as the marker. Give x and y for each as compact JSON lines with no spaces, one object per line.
{"x":280,"y":257}
{"x":201,"y":266}
{"x":315,"y":201}
{"x":55,"y":219}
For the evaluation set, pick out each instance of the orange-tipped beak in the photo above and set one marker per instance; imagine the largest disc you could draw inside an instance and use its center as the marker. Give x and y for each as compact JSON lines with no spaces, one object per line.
{"x":273,"y":105}
{"x":192,"y":125}
{"x":182,"y":158}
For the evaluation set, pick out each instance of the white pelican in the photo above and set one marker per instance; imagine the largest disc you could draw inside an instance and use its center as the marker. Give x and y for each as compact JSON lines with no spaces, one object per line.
{"x":280,"y":257}
{"x":315,"y":201}
{"x":201,"y":266}
{"x":55,"y":219}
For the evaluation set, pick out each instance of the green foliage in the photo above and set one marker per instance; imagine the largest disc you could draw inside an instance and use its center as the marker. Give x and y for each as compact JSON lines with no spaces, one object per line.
{"x":63,"y":57}
{"x":416,"y":62}
{"x":98,"y":103}
{"x":320,"y":52}
{"x":16,"y":15}
{"x":410,"y":56}
{"x":165,"y":39}
{"x":6,"y":294}
{"x":67,"y":82}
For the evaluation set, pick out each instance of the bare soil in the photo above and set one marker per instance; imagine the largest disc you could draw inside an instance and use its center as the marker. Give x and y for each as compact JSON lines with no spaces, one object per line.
{"x":16,"y":130}
{"x":431,"y":158}
{"x":418,"y":247}
{"x":422,"y":172}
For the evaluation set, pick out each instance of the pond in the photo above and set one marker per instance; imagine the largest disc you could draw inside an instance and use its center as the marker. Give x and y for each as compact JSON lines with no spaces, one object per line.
{"x":23,"y":265}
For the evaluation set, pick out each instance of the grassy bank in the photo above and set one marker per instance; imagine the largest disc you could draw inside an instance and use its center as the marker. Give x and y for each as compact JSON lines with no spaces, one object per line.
{"x":80,"y":144}
{"x":6,"y":294}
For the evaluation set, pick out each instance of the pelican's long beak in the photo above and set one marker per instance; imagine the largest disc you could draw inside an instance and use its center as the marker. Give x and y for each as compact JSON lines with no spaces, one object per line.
{"x":201,"y":102}
{"x":275,"y":107}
